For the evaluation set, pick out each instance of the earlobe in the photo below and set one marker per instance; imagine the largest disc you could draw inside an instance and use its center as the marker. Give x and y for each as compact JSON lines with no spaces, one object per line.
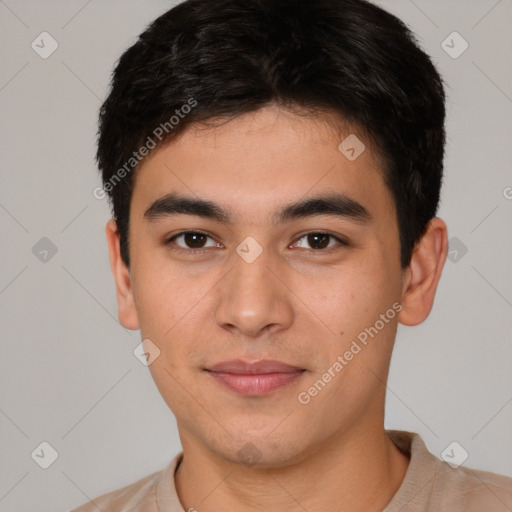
{"x":127,"y":312}
{"x":423,"y":274}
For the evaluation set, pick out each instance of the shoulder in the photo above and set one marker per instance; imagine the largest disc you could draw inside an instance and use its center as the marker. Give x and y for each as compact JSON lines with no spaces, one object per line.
{"x":140,"y":495}
{"x":475,"y":489}
{"x":432,"y":484}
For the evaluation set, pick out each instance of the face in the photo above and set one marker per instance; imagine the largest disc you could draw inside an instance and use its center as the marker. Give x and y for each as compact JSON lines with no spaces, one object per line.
{"x":271,"y":275}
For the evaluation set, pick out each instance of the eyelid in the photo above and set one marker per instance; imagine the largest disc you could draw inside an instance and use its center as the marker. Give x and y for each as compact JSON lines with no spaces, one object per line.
{"x":169,"y":240}
{"x":342,"y":242}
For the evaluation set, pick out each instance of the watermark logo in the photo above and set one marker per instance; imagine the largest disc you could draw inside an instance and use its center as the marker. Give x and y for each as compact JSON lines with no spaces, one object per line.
{"x":249,"y":249}
{"x":454,"y":455}
{"x":249,"y":454}
{"x":146,"y":352}
{"x":44,"y":45}
{"x":44,"y":250}
{"x":44,"y":455}
{"x":454,"y":45}
{"x":351,"y":147}
{"x":456,"y":249}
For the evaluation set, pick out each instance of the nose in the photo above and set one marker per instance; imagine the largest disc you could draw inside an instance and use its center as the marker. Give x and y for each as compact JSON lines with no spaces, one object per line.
{"x":254,"y":298}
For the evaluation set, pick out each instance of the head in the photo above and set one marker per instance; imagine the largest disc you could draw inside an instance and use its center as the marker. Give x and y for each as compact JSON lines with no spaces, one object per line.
{"x":304,"y":141}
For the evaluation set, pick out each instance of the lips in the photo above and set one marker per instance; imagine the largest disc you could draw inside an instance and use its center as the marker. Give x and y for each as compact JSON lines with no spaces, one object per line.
{"x":258,"y":367}
{"x":254,"y":379}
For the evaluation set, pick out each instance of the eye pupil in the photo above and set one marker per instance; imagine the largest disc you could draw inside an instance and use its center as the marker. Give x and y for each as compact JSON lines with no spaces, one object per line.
{"x":194,"y":237}
{"x":313,"y":240}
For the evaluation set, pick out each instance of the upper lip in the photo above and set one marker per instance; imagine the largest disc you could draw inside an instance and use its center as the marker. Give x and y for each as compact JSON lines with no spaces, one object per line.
{"x":238,"y":366}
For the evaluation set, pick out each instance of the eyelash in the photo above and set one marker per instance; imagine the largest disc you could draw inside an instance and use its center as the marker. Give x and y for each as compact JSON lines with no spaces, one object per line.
{"x":341,"y":242}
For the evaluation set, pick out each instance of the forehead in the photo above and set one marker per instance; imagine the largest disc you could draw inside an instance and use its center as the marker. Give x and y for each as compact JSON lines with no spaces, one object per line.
{"x":259,"y":161}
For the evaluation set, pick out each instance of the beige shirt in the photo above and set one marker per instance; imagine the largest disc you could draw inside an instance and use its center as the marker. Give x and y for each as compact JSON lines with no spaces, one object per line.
{"x":429,"y":485}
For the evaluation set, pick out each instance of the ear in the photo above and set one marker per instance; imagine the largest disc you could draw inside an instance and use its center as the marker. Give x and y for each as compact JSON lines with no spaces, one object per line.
{"x":422,"y":276}
{"x":125,"y":304}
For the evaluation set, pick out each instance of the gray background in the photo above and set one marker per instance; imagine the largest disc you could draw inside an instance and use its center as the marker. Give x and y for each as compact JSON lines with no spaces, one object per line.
{"x":67,"y":372}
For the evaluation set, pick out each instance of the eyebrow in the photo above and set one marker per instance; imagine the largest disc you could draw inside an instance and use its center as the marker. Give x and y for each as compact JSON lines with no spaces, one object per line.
{"x":339,"y":205}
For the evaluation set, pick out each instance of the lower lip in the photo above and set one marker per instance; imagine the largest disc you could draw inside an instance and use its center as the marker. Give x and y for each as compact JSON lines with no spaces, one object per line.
{"x":255,"y":385}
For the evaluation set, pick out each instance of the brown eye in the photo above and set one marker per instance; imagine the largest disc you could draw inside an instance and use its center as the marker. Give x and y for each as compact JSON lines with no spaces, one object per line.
{"x":192,"y":240}
{"x":319,"y":241}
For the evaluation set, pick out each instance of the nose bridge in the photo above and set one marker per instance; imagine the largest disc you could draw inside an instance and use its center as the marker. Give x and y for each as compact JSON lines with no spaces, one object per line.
{"x":251,"y":296}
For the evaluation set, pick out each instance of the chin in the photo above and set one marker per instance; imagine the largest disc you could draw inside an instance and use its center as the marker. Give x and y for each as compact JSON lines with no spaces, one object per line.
{"x":259,"y":451}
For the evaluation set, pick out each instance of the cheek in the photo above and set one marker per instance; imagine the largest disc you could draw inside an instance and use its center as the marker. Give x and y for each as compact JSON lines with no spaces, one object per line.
{"x":162,"y":297}
{"x":174,"y":387}
{"x":347,"y":299}
{"x":171,"y":313}
{"x":353,"y":309}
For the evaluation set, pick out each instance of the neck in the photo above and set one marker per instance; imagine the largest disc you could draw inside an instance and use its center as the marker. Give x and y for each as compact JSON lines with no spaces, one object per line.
{"x":360,"y":470}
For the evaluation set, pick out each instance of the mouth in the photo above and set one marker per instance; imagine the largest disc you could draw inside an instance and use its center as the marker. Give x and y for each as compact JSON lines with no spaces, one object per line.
{"x":254,"y":379}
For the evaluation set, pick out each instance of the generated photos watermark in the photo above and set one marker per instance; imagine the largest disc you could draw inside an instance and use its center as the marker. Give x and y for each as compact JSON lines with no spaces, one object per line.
{"x":143,"y":151}
{"x":305,"y":397}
